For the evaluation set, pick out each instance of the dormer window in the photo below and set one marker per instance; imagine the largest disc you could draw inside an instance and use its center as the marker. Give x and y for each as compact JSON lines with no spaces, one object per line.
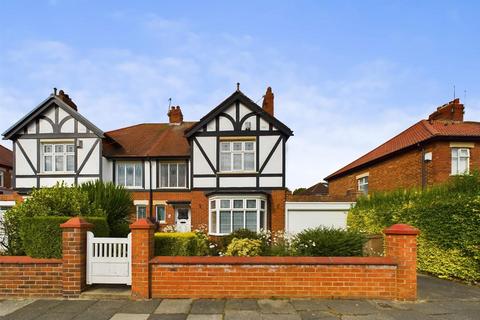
{"x":237,"y":156}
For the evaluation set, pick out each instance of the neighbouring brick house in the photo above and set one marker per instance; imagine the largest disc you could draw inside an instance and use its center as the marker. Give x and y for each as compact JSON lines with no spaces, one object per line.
{"x":6,"y":166}
{"x":225,"y":171}
{"x":427,"y":153}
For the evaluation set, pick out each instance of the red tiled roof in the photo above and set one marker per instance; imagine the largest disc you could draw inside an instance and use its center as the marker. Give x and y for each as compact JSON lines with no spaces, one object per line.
{"x":148,"y":140}
{"x":6,"y":157}
{"x":419,"y":132}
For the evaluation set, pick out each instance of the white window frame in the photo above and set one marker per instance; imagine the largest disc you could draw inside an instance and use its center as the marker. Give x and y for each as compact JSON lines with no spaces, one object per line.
{"x":2,"y":178}
{"x":134,"y":164}
{"x":53,"y":154}
{"x":168,"y":175}
{"x":362,"y":182}
{"x":241,"y":152}
{"x":164,"y":212}
{"x":137,"y":207}
{"x":214,"y":208}
{"x":456,"y":159}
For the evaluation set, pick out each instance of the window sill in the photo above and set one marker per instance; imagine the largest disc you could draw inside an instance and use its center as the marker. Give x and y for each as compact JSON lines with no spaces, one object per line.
{"x":58,"y":173}
{"x":236,"y":172}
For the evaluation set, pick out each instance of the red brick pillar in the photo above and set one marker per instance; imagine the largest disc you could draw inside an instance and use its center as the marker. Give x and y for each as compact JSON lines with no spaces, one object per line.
{"x":142,"y":252}
{"x":401,"y":244}
{"x":74,"y":252}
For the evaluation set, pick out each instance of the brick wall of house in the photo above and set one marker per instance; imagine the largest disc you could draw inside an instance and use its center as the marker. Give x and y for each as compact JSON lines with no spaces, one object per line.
{"x":277,"y":210}
{"x":404,"y":171}
{"x":29,"y":277}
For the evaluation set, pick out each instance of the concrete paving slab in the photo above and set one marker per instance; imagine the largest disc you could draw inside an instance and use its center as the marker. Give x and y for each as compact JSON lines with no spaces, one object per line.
{"x":317,"y":315}
{"x":367,"y":317}
{"x":172,"y":306}
{"x":130,"y":316}
{"x":241,"y":315}
{"x":241,"y":304}
{"x":9,"y":306}
{"x":404,"y":315}
{"x":205,"y":317}
{"x":271,"y":316}
{"x":101,"y":310}
{"x":430,"y":308}
{"x":145,"y":306}
{"x":208,"y":306}
{"x":33,"y":310}
{"x":57,"y":316}
{"x":275,"y":306}
{"x":430,"y":288}
{"x":352,"y":307}
{"x":181,"y":316}
{"x":310,"y":304}
{"x":72,"y":306}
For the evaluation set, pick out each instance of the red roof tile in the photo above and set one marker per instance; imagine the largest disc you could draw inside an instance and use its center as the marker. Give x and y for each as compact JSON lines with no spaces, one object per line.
{"x":419,"y":132}
{"x":6,"y":157}
{"x":148,"y":140}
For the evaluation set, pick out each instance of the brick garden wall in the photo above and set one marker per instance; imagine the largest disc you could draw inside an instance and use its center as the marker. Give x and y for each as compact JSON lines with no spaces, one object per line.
{"x":28,"y":277}
{"x":265,"y":277}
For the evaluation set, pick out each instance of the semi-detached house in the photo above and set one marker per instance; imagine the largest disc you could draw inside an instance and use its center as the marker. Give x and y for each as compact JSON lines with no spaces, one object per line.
{"x":225,"y":171}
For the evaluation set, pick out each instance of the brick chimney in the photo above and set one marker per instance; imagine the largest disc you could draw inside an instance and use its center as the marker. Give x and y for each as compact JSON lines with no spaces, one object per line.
{"x":268,"y":101}
{"x":452,"y":111}
{"x":175,"y":115}
{"x":65,"y":98}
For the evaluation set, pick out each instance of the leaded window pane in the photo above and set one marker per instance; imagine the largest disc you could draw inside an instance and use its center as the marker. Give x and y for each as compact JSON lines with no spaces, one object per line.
{"x":182,"y":175}
{"x":129,"y":175}
{"x":237,"y":220}
{"x":225,"y":164}
{"x":251,"y":220}
{"x":59,"y":148}
{"x":238,"y":203}
{"x":164,"y":175}
{"x":213,"y":221}
{"x":251,"y":203}
{"x":249,"y":161}
{"x":224,"y":203}
{"x":225,"y":221}
{"x":121,"y":174}
{"x":173,"y":176}
{"x":48,"y":163}
{"x":138,"y":174}
{"x":59,"y":163}
{"x":237,"y":161}
{"x":70,"y":162}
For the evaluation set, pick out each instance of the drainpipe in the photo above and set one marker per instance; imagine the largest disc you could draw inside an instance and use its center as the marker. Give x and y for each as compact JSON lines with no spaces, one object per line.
{"x":424,"y":169}
{"x":151,"y":190}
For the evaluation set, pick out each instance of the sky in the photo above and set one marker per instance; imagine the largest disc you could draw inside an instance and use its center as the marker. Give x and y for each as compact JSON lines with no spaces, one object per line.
{"x":347,"y":75}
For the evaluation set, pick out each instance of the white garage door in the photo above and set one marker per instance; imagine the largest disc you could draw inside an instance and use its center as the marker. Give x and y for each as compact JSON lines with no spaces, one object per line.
{"x":303,"y":215}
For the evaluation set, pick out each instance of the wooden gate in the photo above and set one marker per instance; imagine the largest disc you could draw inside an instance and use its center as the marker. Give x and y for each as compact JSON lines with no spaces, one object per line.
{"x":109,"y":260}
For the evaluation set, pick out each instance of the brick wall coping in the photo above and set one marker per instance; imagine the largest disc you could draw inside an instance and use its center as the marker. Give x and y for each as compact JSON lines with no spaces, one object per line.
{"x":401,"y":229}
{"x":76,"y":222}
{"x":27,"y":260}
{"x":274,"y":260}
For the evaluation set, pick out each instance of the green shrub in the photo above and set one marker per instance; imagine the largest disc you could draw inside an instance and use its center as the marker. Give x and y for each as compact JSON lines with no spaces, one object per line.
{"x":114,"y":200}
{"x":60,"y":200}
{"x":42,"y":236}
{"x":328,"y":242}
{"x":448,"y":217}
{"x":180,"y":244}
{"x":244,"y":248}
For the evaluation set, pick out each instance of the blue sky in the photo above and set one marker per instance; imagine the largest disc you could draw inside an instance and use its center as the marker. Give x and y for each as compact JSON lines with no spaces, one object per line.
{"x":347,"y":75}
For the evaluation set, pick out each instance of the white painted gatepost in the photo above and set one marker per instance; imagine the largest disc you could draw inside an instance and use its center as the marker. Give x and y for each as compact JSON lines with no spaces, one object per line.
{"x":109,"y":260}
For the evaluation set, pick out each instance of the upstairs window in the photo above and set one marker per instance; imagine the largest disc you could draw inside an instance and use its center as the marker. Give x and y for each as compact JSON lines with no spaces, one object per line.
{"x":130,"y":174}
{"x":173,"y":175}
{"x":460,"y":160}
{"x":362,"y":184}
{"x":237,"y":156}
{"x":58,"y":157}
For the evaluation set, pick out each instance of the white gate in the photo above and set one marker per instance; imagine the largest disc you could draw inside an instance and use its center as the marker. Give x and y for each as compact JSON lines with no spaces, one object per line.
{"x":109,"y":260}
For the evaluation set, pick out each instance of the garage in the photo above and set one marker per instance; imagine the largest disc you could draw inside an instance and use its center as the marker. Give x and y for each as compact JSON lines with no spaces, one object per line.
{"x":303,"y":215}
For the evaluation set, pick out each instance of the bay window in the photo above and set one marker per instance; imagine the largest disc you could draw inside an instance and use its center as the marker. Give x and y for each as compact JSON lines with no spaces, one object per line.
{"x":58,"y":157}
{"x":460,"y":160}
{"x":237,"y":156}
{"x":228,"y":214}
{"x":130,"y":174}
{"x":173,"y":175}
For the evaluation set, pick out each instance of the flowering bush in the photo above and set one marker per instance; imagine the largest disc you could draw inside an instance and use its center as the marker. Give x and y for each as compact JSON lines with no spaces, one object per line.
{"x":244,"y":248}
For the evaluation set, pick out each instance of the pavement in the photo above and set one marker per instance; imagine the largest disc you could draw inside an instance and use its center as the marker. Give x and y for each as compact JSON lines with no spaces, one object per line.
{"x":437,"y":299}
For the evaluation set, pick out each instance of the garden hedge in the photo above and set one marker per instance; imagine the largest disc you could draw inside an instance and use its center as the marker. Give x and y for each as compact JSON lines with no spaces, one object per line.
{"x":42,"y":235}
{"x":180,"y":244}
{"x":448,"y":217}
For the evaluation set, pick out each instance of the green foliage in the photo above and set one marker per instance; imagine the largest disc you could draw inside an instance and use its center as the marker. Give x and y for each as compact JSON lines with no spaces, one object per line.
{"x":59,"y":200}
{"x":244,"y":248}
{"x":447,"y":215}
{"x":328,"y":242}
{"x":42,"y":236}
{"x":299,"y":191}
{"x":180,"y":244}
{"x":114,"y":200}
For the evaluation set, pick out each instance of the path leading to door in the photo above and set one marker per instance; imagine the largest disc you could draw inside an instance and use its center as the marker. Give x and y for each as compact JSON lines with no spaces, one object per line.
{"x":438,"y":299}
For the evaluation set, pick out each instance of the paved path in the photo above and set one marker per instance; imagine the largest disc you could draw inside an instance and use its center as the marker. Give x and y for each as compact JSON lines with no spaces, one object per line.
{"x":438,"y":299}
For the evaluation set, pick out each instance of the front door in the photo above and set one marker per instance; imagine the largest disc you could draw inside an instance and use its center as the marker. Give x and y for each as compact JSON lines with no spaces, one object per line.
{"x":183,"y":219}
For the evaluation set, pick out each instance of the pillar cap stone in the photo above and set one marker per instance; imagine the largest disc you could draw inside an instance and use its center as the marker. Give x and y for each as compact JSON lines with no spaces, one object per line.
{"x":142,"y":224}
{"x":76,"y":222}
{"x":401,"y":229}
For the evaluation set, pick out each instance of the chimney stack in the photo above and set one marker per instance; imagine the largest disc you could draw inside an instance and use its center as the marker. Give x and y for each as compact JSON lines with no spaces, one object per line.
{"x":65,"y":98}
{"x":268,"y":101}
{"x":452,"y":111}
{"x":175,"y":115}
